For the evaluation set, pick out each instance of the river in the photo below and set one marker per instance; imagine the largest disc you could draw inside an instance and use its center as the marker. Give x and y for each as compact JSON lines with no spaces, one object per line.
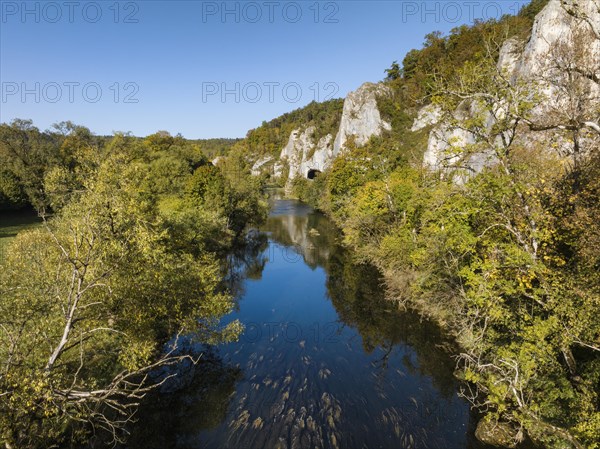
{"x":325,"y":360}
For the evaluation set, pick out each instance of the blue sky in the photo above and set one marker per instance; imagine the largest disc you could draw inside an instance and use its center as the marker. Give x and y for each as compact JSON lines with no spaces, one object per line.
{"x":203,"y":68}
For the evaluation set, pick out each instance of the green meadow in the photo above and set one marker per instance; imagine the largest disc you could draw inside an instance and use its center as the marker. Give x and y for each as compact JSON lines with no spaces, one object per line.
{"x":11,"y":223}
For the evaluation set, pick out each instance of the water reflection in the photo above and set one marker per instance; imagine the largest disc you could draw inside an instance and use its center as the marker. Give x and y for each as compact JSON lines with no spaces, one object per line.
{"x":304,"y":234}
{"x":245,"y":262}
{"x":325,"y":360}
{"x":197,"y":399}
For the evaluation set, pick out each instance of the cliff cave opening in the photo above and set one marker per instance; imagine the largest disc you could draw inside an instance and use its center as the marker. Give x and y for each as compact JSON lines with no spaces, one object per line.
{"x":312,"y":173}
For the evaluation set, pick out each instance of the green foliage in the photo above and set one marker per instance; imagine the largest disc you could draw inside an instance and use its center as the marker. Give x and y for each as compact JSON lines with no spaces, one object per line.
{"x":12,"y":194}
{"x":94,"y":302}
{"x":526,"y":322}
{"x":213,"y":148}
{"x":244,"y":200}
{"x":394,"y":72}
{"x":25,"y":153}
{"x":442,"y":55}
{"x":508,"y":259}
{"x":310,"y":190}
{"x":271,"y":137}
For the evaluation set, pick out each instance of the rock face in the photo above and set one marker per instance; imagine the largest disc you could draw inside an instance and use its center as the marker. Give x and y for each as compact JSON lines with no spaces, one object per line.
{"x":307,"y":155}
{"x":361,"y":118}
{"x":445,"y":140}
{"x":304,"y":155}
{"x":534,"y":61}
{"x":555,"y":26}
{"x":259,"y":164}
{"x":428,"y":115}
{"x":510,"y":56}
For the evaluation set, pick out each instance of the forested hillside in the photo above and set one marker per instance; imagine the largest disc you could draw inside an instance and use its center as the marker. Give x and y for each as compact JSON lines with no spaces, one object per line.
{"x":213,"y":148}
{"x":507,"y":260}
{"x":269,"y":138}
{"x":30,"y":156}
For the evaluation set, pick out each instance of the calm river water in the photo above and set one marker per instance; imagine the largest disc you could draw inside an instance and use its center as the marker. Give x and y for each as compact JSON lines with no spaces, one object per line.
{"x":325,"y":360}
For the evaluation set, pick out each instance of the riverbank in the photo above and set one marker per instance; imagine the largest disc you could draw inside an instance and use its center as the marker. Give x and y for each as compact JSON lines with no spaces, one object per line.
{"x":415,"y":279}
{"x":324,"y":361}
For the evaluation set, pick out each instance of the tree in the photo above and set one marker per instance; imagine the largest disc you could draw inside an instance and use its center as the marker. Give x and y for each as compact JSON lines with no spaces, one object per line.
{"x":26,"y":153}
{"x":94,"y":305}
{"x":12,"y":194}
{"x":518,"y":303}
{"x":394,"y":72}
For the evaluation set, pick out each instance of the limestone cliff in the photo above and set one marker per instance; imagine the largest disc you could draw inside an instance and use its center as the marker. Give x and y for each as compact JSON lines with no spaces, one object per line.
{"x":307,"y":154}
{"x":304,"y":155}
{"x":556,"y":36}
{"x":361,"y":118}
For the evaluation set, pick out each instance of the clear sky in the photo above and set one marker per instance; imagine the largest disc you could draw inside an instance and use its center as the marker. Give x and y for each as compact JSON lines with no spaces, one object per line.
{"x":203,"y":68}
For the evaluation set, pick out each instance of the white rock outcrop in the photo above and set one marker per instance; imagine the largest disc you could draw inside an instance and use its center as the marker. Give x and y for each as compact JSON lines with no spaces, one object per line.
{"x":360,"y":121}
{"x":554,"y":26}
{"x":445,"y":144}
{"x":360,"y":117}
{"x":278,"y":169}
{"x":260,"y":164}
{"x":428,"y":115}
{"x":303,"y":154}
{"x":531,"y":62}
{"x":510,"y":56}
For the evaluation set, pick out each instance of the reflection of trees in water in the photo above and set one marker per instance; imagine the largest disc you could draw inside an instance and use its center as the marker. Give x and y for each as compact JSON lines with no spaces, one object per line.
{"x":358,"y":296}
{"x":357,"y":293}
{"x":311,"y":235}
{"x":203,"y":394}
{"x":197,"y":399}
{"x":245,"y":262}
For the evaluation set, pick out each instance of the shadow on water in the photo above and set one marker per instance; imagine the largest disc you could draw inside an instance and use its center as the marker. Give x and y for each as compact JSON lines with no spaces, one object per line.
{"x":245,"y":262}
{"x":197,"y":400}
{"x":325,"y":360}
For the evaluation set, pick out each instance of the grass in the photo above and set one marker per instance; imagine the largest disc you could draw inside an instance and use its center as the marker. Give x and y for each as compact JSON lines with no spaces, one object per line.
{"x":13,"y":222}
